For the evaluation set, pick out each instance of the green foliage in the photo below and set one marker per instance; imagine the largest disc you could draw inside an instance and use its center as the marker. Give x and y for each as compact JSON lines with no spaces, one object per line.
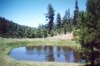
{"x":58,"y":21}
{"x":75,"y":14}
{"x":88,"y":24}
{"x":59,"y":24}
{"x":66,"y":22}
{"x":52,"y":33}
{"x":45,"y":32}
{"x":50,"y":17}
{"x":10,"y":29}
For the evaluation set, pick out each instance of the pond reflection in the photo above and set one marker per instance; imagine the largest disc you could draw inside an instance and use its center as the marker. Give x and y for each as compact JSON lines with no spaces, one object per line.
{"x":45,"y":53}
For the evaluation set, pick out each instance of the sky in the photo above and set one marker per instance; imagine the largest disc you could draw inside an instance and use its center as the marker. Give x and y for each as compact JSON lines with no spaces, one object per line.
{"x":32,"y":12}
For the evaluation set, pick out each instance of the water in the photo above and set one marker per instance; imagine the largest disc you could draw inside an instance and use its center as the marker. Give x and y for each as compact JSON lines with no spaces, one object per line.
{"x":45,"y":53}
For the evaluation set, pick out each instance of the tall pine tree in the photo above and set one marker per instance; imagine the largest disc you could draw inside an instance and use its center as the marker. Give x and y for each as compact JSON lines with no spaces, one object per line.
{"x":50,"y":17}
{"x":75,"y":13}
{"x":66,"y":22}
{"x":59,"y":25}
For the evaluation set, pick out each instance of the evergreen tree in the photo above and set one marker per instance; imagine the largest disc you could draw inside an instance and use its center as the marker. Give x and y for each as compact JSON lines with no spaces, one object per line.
{"x":50,"y":17}
{"x":75,"y":13}
{"x":89,"y":33}
{"x":58,"y":23}
{"x":68,"y":14}
{"x":67,"y":27}
{"x":64,"y":24}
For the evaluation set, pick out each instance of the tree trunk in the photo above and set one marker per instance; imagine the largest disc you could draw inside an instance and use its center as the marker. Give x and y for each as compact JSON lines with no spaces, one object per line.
{"x":92,"y":56}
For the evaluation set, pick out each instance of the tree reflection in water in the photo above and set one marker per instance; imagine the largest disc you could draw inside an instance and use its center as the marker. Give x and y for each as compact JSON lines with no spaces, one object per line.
{"x":58,"y":51}
{"x":53,"y":53}
{"x":50,"y":56}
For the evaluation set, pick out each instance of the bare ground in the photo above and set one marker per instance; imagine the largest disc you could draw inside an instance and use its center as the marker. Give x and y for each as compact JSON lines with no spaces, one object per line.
{"x":68,"y":36}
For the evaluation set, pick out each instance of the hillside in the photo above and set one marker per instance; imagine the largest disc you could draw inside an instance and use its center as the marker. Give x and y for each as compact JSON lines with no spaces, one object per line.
{"x":67,"y":36}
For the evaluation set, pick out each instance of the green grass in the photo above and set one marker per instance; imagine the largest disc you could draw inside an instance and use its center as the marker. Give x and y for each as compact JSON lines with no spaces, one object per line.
{"x":7,"y":44}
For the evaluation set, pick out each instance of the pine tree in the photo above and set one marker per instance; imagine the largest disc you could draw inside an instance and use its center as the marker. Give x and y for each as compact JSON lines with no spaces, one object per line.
{"x":59,"y":23}
{"x":64,"y":20}
{"x":68,"y":14}
{"x":75,"y":13}
{"x":90,"y":33}
{"x":50,"y":17}
{"x":67,"y":27}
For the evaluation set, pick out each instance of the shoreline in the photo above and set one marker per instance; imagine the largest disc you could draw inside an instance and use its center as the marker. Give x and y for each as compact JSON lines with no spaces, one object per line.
{"x":9,"y":44}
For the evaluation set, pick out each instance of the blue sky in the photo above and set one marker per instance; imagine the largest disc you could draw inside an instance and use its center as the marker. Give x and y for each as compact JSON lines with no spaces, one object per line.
{"x":31,"y":12}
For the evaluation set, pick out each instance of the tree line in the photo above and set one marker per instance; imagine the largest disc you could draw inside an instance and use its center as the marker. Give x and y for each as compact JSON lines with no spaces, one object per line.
{"x":61,"y":25}
{"x":10,"y":29}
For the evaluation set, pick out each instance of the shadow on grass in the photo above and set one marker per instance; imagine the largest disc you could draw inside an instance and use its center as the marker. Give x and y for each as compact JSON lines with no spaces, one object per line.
{"x":93,"y":65}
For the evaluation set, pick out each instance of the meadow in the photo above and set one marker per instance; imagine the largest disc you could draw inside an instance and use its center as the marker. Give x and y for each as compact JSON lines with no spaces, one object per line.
{"x":6,"y":45}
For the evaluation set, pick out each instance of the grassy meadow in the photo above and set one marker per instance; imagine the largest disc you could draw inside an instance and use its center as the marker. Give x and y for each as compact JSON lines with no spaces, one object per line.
{"x":6,"y":45}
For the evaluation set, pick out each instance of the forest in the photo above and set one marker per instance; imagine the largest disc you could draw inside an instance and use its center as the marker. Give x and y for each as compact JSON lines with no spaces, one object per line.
{"x":85,"y":26}
{"x":10,"y":29}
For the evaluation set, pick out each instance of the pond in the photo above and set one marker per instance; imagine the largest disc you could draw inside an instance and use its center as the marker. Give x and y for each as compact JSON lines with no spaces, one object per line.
{"x":45,"y":54}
